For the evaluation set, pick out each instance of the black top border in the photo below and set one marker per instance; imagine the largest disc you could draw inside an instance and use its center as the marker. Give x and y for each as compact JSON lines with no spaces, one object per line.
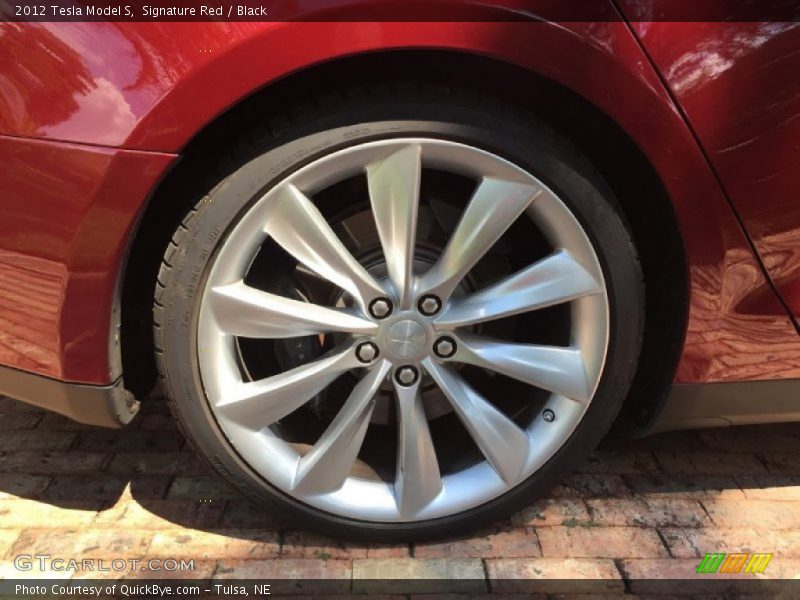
{"x":399,"y":10}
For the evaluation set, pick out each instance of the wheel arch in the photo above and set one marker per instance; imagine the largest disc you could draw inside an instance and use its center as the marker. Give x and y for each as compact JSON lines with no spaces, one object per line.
{"x":628,"y":172}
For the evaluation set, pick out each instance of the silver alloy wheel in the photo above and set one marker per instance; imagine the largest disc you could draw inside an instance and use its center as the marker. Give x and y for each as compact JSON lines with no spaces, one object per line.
{"x":324,"y":476}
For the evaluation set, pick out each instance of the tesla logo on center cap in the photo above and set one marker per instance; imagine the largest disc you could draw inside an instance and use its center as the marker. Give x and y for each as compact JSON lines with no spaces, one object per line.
{"x":406,"y":338}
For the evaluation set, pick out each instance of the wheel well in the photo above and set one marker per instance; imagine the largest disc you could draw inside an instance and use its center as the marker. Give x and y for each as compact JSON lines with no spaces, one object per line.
{"x":627,"y":170}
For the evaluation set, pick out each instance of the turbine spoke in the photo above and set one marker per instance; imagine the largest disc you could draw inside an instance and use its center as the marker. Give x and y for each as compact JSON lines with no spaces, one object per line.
{"x":246,"y":311}
{"x":418,"y":480}
{"x":257,"y":404}
{"x":503,"y":442}
{"x":559,"y":370}
{"x":394,"y":193}
{"x":300,"y":229}
{"x":553,"y":280}
{"x":494,"y":206}
{"x":326,"y":466}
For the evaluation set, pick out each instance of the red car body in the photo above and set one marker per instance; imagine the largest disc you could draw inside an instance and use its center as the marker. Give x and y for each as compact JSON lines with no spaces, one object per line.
{"x":93,"y":116}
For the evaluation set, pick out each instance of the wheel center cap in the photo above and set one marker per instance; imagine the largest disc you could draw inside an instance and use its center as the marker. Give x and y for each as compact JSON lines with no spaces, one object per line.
{"x":406,"y":338}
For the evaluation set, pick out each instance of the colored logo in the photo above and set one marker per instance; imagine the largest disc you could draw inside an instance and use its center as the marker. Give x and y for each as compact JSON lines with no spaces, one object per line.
{"x":719,"y":562}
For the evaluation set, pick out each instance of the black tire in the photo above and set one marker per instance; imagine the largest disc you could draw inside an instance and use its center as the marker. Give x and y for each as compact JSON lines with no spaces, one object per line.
{"x":345,"y":120}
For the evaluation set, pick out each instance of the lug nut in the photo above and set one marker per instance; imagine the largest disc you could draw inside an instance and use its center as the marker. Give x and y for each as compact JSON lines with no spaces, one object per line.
{"x":406,"y":376}
{"x":380,"y":308}
{"x":445,"y":347}
{"x":429,"y":305}
{"x":366,"y":352}
{"x":548,"y":415}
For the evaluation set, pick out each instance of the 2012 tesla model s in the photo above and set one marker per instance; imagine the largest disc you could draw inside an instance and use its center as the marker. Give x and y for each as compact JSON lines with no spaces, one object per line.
{"x":397,"y":279}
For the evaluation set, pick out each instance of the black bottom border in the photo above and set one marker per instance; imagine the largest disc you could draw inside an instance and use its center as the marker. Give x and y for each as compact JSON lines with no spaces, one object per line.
{"x":716,"y":586}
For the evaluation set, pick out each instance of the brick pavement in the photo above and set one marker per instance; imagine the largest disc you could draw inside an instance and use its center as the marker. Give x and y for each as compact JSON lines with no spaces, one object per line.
{"x":636,"y":510}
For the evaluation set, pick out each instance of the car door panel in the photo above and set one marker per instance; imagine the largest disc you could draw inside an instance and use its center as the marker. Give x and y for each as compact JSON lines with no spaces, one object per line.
{"x":737,"y":84}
